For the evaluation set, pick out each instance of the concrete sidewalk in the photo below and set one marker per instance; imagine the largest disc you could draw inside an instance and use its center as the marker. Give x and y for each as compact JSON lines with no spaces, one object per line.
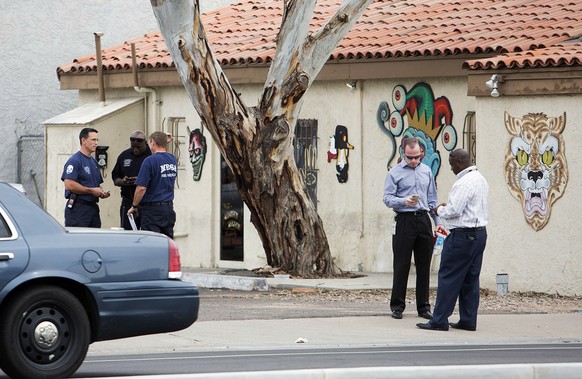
{"x":349,"y":332}
{"x":207,"y":278}
{"x":379,"y":331}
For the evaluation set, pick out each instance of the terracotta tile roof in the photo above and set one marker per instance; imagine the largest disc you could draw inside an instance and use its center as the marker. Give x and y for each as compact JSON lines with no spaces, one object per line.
{"x":244,"y":33}
{"x":563,"y":54}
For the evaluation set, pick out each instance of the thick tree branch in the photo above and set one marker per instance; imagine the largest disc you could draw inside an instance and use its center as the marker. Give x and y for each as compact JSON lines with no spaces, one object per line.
{"x":210,"y":91}
{"x":321,"y":44}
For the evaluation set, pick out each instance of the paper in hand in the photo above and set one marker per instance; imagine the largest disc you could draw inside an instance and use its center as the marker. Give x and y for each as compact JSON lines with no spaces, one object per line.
{"x":132,"y":221}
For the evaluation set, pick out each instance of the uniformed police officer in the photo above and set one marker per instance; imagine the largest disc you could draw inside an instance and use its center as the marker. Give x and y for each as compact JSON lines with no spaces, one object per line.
{"x":83,"y":180}
{"x":125,"y":172}
{"x":154,"y":193}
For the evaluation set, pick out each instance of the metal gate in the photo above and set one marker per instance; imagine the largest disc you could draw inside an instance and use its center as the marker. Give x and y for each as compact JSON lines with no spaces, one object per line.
{"x":305,"y":151}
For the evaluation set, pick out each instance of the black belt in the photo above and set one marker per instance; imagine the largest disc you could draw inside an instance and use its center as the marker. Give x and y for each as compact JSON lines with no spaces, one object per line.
{"x":156,"y":203}
{"x":421,"y":212}
{"x":81,"y":201}
{"x":468,"y":229}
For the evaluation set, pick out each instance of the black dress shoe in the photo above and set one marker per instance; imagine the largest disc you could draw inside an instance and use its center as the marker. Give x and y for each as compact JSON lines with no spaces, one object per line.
{"x":425,"y":314}
{"x":397,"y":314}
{"x":429,"y":326}
{"x":458,"y":325}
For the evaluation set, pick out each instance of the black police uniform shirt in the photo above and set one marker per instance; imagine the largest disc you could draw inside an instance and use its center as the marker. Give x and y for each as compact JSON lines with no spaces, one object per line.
{"x":128,"y":164}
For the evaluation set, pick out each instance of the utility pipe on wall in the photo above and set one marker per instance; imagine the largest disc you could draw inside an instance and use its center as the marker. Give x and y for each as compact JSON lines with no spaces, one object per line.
{"x":98,"y":53}
{"x":145,"y":90}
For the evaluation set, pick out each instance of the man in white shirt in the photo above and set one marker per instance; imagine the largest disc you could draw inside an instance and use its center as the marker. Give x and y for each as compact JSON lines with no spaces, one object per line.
{"x":466,"y":215}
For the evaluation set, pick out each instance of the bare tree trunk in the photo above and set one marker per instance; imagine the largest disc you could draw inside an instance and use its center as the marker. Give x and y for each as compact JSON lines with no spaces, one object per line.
{"x":257,"y":142}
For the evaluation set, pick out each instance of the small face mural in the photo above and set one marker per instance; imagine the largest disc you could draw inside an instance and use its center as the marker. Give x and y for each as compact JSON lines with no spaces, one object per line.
{"x":535,"y":164}
{"x":416,"y":113}
{"x":197,"y":150}
{"x":339,"y":148}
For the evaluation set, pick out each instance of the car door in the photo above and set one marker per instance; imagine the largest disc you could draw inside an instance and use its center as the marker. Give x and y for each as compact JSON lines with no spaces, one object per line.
{"x":14,"y":253}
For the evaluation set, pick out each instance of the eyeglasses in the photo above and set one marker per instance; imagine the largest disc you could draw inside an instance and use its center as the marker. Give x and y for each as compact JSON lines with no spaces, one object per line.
{"x":133,"y":139}
{"x":413,"y":158}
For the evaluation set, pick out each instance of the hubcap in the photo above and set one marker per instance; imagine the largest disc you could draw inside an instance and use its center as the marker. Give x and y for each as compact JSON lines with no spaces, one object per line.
{"x":45,"y":334}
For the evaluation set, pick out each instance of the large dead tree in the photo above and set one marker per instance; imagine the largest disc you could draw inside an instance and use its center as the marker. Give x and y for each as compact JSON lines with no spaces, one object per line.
{"x":257,"y":142}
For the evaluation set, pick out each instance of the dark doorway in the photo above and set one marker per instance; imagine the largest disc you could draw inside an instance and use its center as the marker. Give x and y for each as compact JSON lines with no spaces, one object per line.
{"x":305,"y":151}
{"x":231,"y":217}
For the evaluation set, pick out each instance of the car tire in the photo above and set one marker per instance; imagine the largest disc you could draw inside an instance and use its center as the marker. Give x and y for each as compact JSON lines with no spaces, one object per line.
{"x":44,"y":333}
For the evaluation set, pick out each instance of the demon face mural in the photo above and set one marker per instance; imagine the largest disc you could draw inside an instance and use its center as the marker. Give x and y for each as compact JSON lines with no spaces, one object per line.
{"x":416,"y":113}
{"x":197,"y":150}
{"x":535,"y":164}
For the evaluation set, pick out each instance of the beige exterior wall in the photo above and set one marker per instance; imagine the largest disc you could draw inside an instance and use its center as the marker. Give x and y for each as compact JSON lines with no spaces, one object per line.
{"x":548,"y":260}
{"x":114,"y":122}
{"x":357,"y":223}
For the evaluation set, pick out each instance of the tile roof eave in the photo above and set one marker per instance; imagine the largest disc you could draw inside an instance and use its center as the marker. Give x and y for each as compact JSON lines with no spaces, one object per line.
{"x":387,"y":30}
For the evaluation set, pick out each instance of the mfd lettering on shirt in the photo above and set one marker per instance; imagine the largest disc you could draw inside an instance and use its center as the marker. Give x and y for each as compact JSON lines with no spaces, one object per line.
{"x":168,"y":170}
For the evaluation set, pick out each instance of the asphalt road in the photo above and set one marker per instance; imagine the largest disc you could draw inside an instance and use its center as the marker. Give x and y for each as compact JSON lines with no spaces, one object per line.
{"x":313,"y":358}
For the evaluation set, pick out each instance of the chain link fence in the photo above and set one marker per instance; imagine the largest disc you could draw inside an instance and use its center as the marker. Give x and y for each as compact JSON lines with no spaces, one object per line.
{"x":31,"y":168}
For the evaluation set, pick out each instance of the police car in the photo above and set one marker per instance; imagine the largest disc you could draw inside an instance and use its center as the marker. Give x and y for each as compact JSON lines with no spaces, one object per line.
{"x":63,"y":288}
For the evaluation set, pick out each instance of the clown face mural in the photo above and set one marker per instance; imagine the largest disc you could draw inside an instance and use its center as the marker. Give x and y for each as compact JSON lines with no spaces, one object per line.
{"x":416,"y":113}
{"x":197,"y":150}
{"x":535,"y":164}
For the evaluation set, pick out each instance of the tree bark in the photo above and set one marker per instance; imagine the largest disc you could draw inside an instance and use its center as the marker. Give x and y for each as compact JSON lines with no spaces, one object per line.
{"x":257,"y":142}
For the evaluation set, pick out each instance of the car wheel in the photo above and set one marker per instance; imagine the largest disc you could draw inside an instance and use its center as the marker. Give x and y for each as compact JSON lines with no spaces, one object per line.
{"x":44,"y":333}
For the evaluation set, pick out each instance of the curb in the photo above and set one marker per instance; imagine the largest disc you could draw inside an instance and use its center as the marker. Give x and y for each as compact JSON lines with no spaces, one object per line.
{"x":215,"y":280}
{"x":519,"y":371}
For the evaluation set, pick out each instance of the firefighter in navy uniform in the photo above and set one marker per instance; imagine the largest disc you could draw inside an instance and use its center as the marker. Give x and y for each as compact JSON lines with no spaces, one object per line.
{"x":83,"y":180}
{"x":154,"y":195}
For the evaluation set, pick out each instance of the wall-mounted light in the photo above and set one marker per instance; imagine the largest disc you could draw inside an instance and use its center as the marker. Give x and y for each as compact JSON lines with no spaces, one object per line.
{"x":492,"y":83}
{"x":352,"y":84}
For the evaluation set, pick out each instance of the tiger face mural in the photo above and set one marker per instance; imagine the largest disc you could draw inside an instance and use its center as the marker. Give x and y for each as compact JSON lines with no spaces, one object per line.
{"x":535,"y":164}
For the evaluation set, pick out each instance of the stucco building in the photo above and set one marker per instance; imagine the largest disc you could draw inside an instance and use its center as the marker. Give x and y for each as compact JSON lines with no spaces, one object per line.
{"x":501,"y":79}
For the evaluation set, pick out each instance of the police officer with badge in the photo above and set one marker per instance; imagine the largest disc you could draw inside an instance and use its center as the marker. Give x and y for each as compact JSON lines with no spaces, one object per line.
{"x":125,"y":172}
{"x":83,"y":180}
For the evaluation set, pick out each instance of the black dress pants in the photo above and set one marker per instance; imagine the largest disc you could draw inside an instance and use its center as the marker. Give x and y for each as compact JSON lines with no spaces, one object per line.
{"x":414,"y":233}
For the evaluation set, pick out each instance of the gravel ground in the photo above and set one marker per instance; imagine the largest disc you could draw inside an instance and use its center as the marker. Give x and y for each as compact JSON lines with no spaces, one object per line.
{"x":301,"y":303}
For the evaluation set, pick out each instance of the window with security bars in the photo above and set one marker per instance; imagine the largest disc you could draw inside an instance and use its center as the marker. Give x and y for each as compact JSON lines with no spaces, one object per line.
{"x":305,"y":152}
{"x":470,"y":136}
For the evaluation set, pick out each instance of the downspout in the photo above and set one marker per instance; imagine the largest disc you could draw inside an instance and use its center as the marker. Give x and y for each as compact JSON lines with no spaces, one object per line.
{"x":146,"y":91}
{"x":100,"y":82}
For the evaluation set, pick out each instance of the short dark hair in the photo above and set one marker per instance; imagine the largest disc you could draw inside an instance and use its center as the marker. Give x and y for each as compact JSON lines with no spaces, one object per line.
{"x":85,"y":134}
{"x":160,"y":138}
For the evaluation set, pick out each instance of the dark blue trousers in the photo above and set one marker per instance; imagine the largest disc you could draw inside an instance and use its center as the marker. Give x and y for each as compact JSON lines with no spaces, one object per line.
{"x":83,"y":215}
{"x":158,"y":218}
{"x":458,"y":275}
